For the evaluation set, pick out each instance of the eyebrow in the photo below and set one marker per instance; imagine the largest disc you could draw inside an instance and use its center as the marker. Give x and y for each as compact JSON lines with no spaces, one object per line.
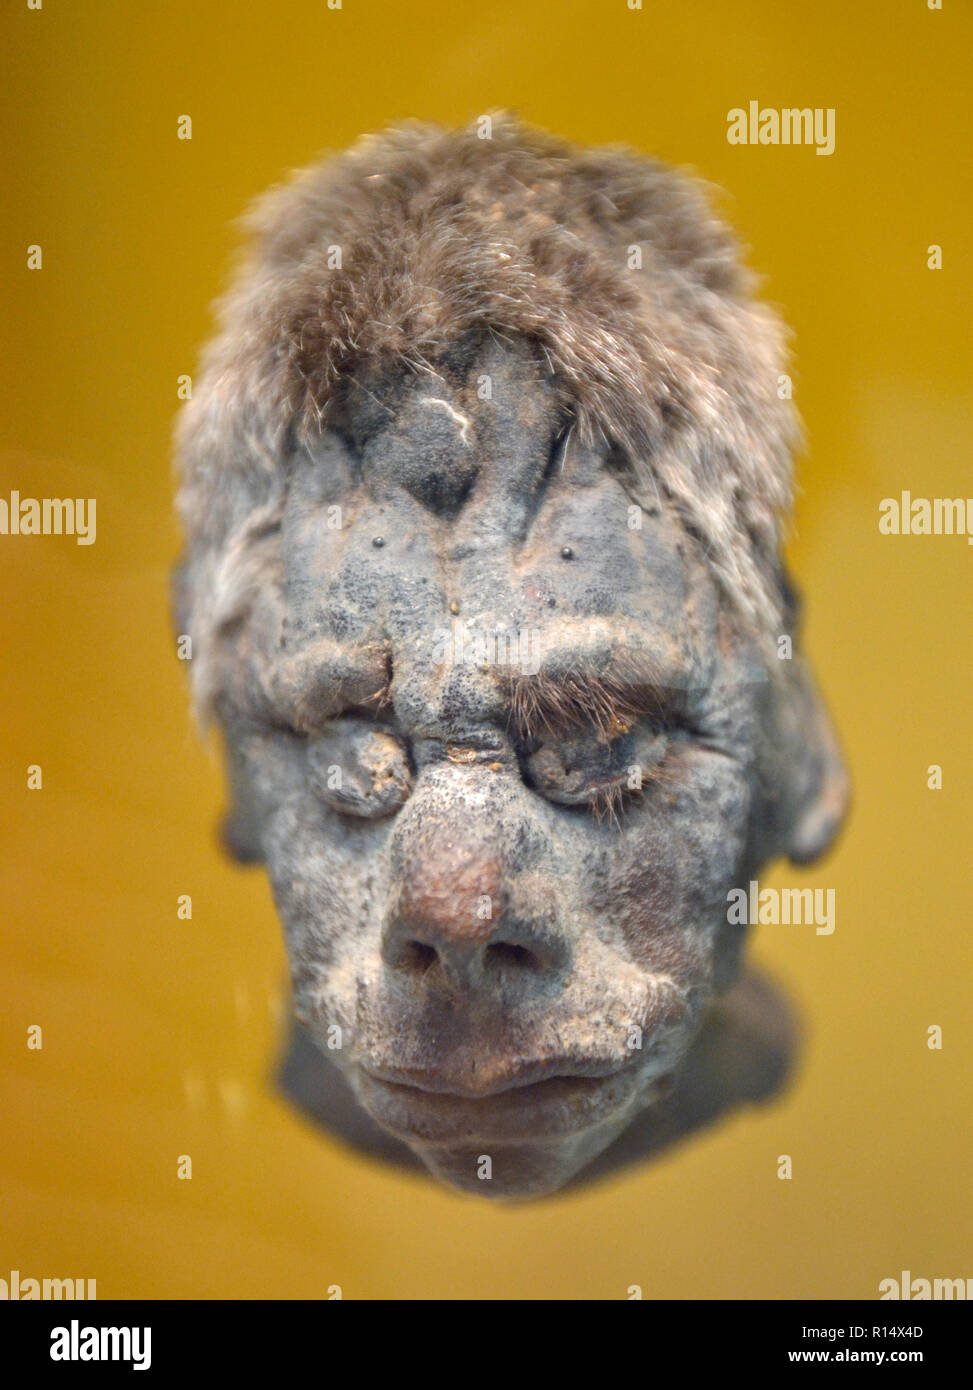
{"x":326,"y":678}
{"x":612,"y":695}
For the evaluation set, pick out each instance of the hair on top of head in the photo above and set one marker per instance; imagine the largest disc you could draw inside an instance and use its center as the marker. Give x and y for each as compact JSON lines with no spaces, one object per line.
{"x":611,"y":263}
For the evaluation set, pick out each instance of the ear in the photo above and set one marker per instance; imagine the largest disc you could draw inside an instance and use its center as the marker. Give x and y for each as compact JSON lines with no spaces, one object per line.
{"x":807,"y":779}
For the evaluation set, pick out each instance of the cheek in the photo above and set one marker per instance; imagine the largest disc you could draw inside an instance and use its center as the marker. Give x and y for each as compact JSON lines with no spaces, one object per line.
{"x":678,"y":855}
{"x":326,"y":874}
{"x":319,"y":861}
{"x":710,"y":815}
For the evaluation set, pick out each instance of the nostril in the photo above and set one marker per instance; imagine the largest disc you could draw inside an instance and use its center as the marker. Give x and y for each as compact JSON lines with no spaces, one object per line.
{"x":469,"y":959}
{"x":508,"y":953}
{"x":417,"y":957}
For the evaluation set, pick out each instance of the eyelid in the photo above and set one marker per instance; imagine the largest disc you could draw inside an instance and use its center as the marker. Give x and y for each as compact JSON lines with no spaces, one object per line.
{"x":375,"y":778}
{"x":596,"y":777}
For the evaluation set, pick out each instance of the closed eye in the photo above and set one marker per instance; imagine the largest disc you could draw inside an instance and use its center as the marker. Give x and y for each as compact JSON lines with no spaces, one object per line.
{"x":359,"y":768}
{"x":584,"y":771}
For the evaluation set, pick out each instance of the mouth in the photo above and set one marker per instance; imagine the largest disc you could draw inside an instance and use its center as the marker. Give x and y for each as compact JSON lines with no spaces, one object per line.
{"x":516,"y":1111}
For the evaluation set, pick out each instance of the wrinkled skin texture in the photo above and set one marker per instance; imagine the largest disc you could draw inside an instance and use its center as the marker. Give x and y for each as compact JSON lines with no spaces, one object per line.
{"x":513,"y":977}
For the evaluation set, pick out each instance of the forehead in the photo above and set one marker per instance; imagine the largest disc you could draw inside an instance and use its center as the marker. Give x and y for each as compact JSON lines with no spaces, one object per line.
{"x":462,"y":501}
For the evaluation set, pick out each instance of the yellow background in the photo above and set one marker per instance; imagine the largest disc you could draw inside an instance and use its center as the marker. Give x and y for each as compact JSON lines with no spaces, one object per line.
{"x":159,"y":1034}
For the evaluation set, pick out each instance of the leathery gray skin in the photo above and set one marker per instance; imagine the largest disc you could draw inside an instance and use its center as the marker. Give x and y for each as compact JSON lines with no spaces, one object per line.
{"x":482,"y":968}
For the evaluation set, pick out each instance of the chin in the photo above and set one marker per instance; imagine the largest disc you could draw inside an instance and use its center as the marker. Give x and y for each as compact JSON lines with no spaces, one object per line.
{"x":518,"y":1172}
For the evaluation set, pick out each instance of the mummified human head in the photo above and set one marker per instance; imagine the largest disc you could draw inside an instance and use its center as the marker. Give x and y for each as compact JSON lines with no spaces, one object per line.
{"x":483,"y":486}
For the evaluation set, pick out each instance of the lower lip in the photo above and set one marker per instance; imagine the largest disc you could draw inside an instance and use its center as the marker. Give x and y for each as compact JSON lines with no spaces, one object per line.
{"x":551,"y":1109}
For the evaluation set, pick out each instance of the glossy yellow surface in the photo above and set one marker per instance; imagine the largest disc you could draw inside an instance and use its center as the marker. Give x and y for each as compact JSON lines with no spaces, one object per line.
{"x":158,"y":1033}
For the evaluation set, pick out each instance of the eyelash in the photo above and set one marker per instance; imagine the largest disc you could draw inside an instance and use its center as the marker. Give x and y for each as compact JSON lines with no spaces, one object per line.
{"x":607,"y":804}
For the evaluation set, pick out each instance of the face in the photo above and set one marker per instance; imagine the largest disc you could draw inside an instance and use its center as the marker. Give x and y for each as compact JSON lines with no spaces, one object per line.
{"x":500,"y":746}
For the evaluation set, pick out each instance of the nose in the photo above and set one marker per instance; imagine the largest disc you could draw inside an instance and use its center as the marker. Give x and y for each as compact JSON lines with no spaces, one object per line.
{"x":452,"y":918}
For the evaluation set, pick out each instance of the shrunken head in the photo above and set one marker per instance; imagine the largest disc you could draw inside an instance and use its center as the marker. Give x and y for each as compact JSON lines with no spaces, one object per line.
{"x":483,"y":486}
